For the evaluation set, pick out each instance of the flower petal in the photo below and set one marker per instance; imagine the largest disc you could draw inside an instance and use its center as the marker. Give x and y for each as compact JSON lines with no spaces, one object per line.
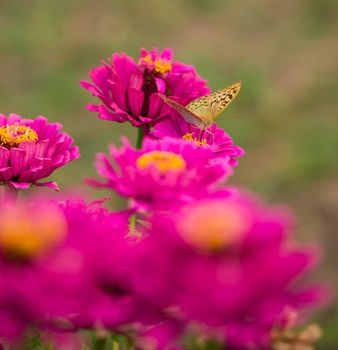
{"x":4,"y":156}
{"x":17,"y":157}
{"x":51,"y":184}
{"x":155,"y":104}
{"x":161,"y":85}
{"x":19,"y":185}
{"x":135,"y":99}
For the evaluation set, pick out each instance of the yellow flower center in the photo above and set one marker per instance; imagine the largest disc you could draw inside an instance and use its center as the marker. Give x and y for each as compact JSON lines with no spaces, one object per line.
{"x":160,"y":65}
{"x":27,"y":233}
{"x":13,"y":135}
{"x":163,"y":161}
{"x":189,"y":137}
{"x":213,"y":226}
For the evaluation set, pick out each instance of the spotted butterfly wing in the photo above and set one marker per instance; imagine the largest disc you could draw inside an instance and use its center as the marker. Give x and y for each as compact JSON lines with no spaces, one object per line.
{"x":187,"y":115}
{"x":210,"y":106}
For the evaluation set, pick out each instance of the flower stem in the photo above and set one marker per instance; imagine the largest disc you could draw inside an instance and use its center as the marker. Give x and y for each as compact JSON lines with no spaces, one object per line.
{"x":10,"y":194}
{"x":132,"y":223}
{"x":99,"y":343}
{"x":115,"y":345}
{"x":140,"y":137}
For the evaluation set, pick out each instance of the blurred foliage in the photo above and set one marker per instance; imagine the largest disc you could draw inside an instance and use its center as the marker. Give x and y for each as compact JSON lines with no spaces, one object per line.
{"x":285,"y":53}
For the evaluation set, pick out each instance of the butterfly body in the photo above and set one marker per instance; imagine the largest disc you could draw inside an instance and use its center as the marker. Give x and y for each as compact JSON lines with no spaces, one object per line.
{"x":203,"y":111}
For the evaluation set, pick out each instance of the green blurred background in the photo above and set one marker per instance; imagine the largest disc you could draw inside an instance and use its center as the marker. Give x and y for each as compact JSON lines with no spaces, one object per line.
{"x":284,"y":52}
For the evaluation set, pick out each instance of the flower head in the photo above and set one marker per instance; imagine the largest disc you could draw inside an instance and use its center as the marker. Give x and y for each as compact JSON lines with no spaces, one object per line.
{"x":213,"y":225}
{"x":214,"y":138}
{"x":55,"y":261}
{"x":153,"y":61}
{"x":128,"y":90}
{"x":162,"y":172}
{"x":31,"y":150}
{"x":228,"y":265}
{"x":13,"y":135}
{"x":26,"y":232}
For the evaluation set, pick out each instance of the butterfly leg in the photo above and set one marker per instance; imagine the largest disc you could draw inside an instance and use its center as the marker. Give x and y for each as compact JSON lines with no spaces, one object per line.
{"x":212,"y":135}
{"x":199,"y":138}
{"x":200,"y":135}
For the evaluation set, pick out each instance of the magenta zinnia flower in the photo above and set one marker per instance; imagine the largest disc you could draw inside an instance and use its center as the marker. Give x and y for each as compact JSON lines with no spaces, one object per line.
{"x":162,"y":172}
{"x":214,"y":138}
{"x":66,"y":267}
{"x":128,"y":91}
{"x":52,"y":264}
{"x":227,"y":264}
{"x":31,"y":150}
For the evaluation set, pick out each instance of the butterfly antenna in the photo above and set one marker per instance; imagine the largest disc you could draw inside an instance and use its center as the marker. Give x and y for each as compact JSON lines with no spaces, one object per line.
{"x":229,"y":117}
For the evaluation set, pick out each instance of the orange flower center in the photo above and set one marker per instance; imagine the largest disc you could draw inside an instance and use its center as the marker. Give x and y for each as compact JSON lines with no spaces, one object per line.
{"x":160,"y":65}
{"x":189,"y":137}
{"x":163,"y":161}
{"x":13,"y":135}
{"x":212,"y":225}
{"x":25,"y":233}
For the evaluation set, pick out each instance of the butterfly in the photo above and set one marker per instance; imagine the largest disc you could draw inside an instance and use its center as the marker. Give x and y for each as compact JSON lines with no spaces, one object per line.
{"x":203,"y":111}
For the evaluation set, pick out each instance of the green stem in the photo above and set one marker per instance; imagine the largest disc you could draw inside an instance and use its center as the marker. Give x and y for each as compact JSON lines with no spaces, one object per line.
{"x":140,"y":137}
{"x":99,"y":343}
{"x":10,"y":194}
{"x":132,"y":224}
{"x":115,"y":345}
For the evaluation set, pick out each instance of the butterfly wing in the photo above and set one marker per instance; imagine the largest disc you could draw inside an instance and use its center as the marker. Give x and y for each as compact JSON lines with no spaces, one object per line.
{"x":187,"y":115}
{"x":210,"y":106}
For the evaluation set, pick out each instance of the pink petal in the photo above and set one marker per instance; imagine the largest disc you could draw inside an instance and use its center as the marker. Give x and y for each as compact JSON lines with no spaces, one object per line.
{"x":39,"y":125}
{"x":135,"y":99}
{"x":29,"y":148}
{"x":19,"y":185}
{"x":5,"y":173}
{"x":52,"y":184}
{"x":3,"y":120}
{"x":167,"y":54}
{"x":124,"y":66}
{"x":118,"y":115}
{"x":99,"y":76}
{"x":161,"y":85}
{"x":17,"y":157}
{"x":136,"y":81}
{"x":94,"y":183}
{"x":4,"y":156}
{"x":13,"y":118}
{"x":41,"y":148}
{"x":143,"y":53}
{"x":155,"y":103}
{"x":118,"y":95}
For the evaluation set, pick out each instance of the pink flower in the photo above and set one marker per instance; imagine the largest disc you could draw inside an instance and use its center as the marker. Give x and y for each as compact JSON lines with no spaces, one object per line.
{"x":215,"y":138}
{"x":223,"y":262}
{"x":162,"y":173}
{"x":52,"y":260}
{"x":226,"y":262}
{"x":128,"y":91}
{"x":65,"y":267}
{"x":31,"y":150}
{"x":153,"y":61}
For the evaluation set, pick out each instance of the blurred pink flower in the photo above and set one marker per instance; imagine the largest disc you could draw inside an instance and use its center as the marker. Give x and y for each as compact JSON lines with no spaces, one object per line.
{"x":223,"y":261}
{"x":162,"y":173}
{"x":52,"y":259}
{"x":128,"y":91}
{"x":226,"y":262}
{"x":31,"y":150}
{"x":215,"y":138}
{"x":66,"y":267}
